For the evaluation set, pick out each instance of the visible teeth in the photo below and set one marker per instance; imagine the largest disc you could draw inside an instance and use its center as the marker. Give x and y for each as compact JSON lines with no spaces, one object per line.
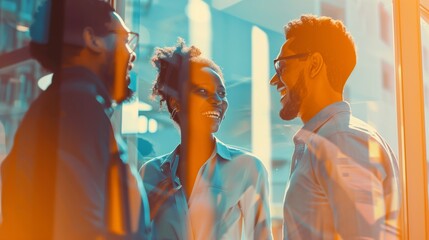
{"x":283,"y":90}
{"x":212,"y":114}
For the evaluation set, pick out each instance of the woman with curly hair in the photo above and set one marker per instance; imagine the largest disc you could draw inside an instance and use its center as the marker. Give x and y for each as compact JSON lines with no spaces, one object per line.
{"x":204,"y":189}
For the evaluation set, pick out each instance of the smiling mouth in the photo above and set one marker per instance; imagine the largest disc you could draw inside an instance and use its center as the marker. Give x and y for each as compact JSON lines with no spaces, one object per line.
{"x":130,"y":66}
{"x":283,"y":92}
{"x":212,"y":114}
{"x":128,"y":79}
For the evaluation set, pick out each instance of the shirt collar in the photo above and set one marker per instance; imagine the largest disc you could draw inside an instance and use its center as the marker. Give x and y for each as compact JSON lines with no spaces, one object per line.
{"x":170,"y":164}
{"x":319,"y":120}
{"x":82,"y":74}
{"x":223,"y":150}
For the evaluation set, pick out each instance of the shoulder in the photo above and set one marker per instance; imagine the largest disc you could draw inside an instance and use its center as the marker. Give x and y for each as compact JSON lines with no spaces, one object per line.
{"x":349,"y":138}
{"x":81,"y":119}
{"x":239,"y":170}
{"x":242,"y":160}
{"x":344,"y":128}
{"x":76,"y":107}
{"x":153,"y":165}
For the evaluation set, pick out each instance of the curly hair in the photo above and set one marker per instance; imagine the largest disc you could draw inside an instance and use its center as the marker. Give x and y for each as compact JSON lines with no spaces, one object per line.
{"x":330,"y":38}
{"x":78,"y":14}
{"x":169,"y":63}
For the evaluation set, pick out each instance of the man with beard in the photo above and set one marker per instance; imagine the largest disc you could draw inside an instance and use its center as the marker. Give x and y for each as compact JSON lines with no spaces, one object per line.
{"x":344,"y":181}
{"x":65,"y":177}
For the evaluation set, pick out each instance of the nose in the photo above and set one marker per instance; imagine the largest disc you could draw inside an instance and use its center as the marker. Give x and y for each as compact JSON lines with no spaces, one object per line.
{"x":215,"y":99}
{"x":274,"y":80}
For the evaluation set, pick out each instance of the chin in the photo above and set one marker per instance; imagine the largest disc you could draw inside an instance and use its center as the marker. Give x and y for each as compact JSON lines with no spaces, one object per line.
{"x":127,"y":97}
{"x":288,"y":115}
{"x":215,"y":128}
{"x":290,"y":108}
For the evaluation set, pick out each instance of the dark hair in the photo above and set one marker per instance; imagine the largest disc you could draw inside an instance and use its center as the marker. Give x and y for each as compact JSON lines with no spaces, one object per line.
{"x":168,"y":62}
{"x":330,"y":38}
{"x":77,"y":15}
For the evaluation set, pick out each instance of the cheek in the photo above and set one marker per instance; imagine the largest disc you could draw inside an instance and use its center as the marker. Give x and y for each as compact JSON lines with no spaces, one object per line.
{"x":196,"y":103}
{"x":194,"y":98}
{"x":292,"y":80}
{"x":121,"y":53}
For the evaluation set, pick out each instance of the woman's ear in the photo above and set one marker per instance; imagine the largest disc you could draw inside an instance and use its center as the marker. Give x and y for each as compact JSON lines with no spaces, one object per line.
{"x":174,"y":109}
{"x":174,"y":104}
{"x":91,"y":41}
{"x":316,"y":64}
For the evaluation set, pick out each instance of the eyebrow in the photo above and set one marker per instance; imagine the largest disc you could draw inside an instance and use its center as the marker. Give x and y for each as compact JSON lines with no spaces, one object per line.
{"x":207,"y":86}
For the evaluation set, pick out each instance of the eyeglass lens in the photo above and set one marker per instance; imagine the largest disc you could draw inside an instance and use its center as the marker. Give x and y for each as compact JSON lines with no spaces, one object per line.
{"x":132,"y":41}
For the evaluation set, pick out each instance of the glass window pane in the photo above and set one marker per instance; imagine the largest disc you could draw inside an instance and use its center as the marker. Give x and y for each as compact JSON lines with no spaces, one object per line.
{"x":242,"y":37}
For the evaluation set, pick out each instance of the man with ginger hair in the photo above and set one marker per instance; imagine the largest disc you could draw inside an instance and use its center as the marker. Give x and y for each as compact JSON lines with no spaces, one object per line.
{"x":344,"y":181}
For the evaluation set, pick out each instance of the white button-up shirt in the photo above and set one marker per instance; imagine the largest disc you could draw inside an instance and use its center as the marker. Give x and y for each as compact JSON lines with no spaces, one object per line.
{"x":344,"y":181}
{"x":229,"y":199}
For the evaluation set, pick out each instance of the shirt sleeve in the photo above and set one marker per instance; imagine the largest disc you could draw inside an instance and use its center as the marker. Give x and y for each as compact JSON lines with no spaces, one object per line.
{"x":351,"y":172}
{"x":255,"y":204}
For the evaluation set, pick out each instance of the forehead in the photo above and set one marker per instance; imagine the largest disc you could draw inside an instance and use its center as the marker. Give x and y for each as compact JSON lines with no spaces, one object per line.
{"x":286,"y":50}
{"x":117,"y":23}
{"x":206,"y":76}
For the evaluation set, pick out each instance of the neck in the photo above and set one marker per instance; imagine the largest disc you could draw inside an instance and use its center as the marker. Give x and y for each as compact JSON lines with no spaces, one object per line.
{"x":84,"y":59}
{"x":196,"y":148}
{"x":317,"y":102}
{"x":199,"y":144}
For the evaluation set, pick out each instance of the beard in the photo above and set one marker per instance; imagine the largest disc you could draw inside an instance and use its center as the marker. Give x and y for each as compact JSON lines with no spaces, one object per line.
{"x":129,"y":93}
{"x":293,"y":100}
{"x":109,"y":73}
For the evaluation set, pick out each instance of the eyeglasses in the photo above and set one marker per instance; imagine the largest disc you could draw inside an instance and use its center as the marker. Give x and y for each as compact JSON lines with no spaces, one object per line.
{"x":279,"y":68}
{"x":132,"y":39}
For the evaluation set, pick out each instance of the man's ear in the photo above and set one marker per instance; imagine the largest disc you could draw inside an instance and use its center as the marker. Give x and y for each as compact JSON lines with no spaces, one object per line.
{"x":92,"y":41}
{"x":316,"y":64}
